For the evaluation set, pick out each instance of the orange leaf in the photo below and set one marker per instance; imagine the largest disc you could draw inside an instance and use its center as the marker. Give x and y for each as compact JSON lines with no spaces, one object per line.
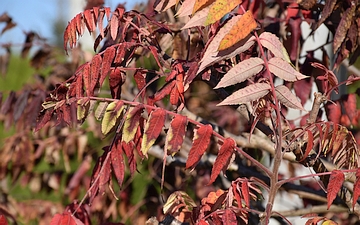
{"x":219,"y":9}
{"x":356,"y":192}
{"x":239,"y":31}
{"x":335,"y":182}
{"x":152,"y":129}
{"x":176,"y":134}
{"x":200,"y":143}
{"x":223,"y":158}
{"x":200,"y":4}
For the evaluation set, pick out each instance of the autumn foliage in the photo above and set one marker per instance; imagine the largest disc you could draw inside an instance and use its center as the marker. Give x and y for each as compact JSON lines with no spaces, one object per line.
{"x":203,"y":92}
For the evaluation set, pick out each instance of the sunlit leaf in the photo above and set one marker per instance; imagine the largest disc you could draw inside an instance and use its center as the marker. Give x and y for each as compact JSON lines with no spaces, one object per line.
{"x":223,"y":158}
{"x":219,"y":9}
{"x":200,"y":4}
{"x":100,"y":110}
{"x":247,"y":94}
{"x":201,"y":141}
{"x":132,"y":123}
{"x":344,"y":25}
{"x":176,"y":134}
{"x":243,"y":27}
{"x":337,"y":178}
{"x":153,"y":129}
{"x":241,"y":71}
{"x":272,"y":43}
{"x":112,"y":113}
{"x":284,"y":70}
{"x":63,"y":219}
{"x":287,"y":98}
{"x":198,"y":19}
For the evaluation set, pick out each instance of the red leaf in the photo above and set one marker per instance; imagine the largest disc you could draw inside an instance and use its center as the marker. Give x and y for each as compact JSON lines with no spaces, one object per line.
{"x":174,"y":96}
{"x":95,"y":71}
{"x":153,"y":129}
{"x":114,"y":26}
{"x":201,"y":141}
{"x":333,"y":111}
{"x":100,"y":23}
{"x":140,"y":80}
{"x":117,"y":162}
{"x":245,"y":192}
{"x":335,"y":182}
{"x":63,"y":219}
{"x":164,"y":91}
{"x":309,"y":145}
{"x":89,"y":19}
{"x":302,"y":89}
{"x":229,"y":217}
{"x":350,"y":106}
{"x":132,"y":123}
{"x":108,"y":58}
{"x":116,"y":80}
{"x":104,"y":176}
{"x":43,"y":119}
{"x":3,"y":220}
{"x":129,"y":152}
{"x":356,"y":192}
{"x":176,"y":134}
{"x":236,"y":193}
{"x":107,"y":12}
{"x":223,"y":158}
{"x":79,"y":24}
{"x":87,"y":79}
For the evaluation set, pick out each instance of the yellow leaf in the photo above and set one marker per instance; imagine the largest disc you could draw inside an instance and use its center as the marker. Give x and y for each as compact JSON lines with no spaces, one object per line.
{"x":200,"y":4}
{"x":112,"y":113}
{"x":219,"y":9}
{"x":239,"y":31}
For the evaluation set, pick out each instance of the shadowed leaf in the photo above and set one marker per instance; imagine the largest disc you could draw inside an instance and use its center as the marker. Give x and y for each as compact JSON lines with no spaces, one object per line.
{"x":117,"y":162}
{"x":229,"y":217}
{"x":356,"y":192}
{"x":343,"y":27}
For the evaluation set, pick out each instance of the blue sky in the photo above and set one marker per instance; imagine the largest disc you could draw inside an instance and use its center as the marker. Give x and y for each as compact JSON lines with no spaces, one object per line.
{"x":39,"y":16}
